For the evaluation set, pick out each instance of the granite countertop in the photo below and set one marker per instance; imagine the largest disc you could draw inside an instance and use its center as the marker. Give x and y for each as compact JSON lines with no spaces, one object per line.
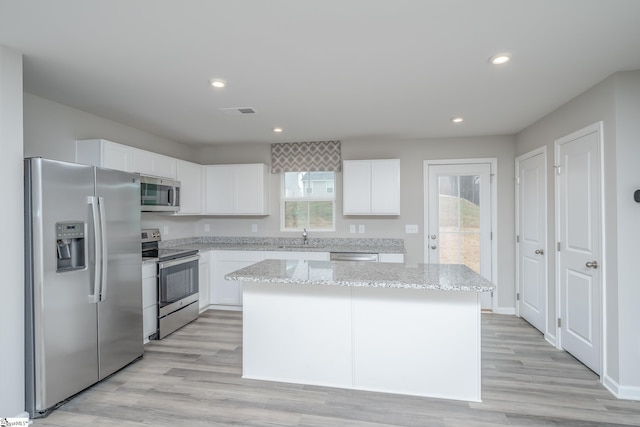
{"x":450,"y":277}
{"x":289,"y":244}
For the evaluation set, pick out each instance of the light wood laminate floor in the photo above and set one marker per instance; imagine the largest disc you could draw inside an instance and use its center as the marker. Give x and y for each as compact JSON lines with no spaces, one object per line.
{"x":193,"y":378}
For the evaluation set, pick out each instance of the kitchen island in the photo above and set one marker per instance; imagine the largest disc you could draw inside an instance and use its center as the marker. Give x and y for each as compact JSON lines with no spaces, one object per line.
{"x":396,"y":328}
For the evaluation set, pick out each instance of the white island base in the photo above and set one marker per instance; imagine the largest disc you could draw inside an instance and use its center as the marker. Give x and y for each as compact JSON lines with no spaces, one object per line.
{"x":407,"y":341}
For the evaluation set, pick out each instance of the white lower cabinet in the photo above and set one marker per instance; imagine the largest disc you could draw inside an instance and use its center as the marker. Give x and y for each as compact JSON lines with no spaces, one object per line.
{"x":229,"y":292}
{"x":307,"y":256}
{"x":391,"y":258}
{"x":149,"y":300}
{"x":203,"y":279}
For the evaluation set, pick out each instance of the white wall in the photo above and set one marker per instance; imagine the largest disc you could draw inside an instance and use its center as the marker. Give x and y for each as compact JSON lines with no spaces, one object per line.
{"x":627,"y":94}
{"x":412,"y":154}
{"x":596,"y":104}
{"x":51,"y":130}
{"x":11,"y":252}
{"x":616,"y":102}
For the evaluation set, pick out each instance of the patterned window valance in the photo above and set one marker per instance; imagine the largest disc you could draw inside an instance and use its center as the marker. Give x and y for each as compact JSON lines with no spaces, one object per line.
{"x":306,"y":156}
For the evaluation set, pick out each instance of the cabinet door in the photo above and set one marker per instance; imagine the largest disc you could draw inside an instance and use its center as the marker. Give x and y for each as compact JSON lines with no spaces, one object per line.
{"x":116,"y":156}
{"x":308,"y":256}
{"x":190,"y":177}
{"x":143,"y":162}
{"x":356,"y":187}
{"x":149,"y":300}
{"x":203,"y":282}
{"x":250,"y":190}
{"x":219,"y":189}
{"x":229,"y":292}
{"x":164,"y":166}
{"x":385,"y":187}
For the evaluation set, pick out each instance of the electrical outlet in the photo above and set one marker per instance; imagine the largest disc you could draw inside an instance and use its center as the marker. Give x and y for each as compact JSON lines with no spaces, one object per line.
{"x":361,"y":228}
{"x":352,"y":228}
{"x":254,"y":228}
{"x":411,"y":228}
{"x":207,"y":228}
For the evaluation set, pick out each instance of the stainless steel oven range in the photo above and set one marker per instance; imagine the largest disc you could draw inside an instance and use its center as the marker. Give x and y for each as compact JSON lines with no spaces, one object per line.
{"x":177,"y":283}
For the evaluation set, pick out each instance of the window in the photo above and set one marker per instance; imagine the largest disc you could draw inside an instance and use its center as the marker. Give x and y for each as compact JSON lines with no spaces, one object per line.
{"x":308,"y":201}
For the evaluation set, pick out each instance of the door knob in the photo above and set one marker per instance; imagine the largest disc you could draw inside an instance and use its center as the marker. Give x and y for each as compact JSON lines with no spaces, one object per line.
{"x":592,"y":264}
{"x":540,"y":251}
{"x":433,"y":246}
{"x":433,"y":236}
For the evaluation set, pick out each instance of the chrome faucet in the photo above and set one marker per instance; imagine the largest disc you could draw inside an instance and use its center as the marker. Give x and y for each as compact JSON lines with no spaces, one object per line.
{"x":304,"y":236}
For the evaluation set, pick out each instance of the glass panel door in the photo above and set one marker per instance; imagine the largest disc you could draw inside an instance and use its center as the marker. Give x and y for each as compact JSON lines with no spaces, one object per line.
{"x":459,"y":212}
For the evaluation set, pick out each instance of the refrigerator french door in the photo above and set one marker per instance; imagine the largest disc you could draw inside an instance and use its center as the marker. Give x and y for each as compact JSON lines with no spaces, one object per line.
{"x":83,"y":278}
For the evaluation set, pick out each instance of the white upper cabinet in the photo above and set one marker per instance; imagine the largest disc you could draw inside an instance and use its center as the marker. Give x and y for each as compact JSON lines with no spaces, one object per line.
{"x":190,"y":176}
{"x":106,"y":154}
{"x":371,"y":187}
{"x":148,"y":163}
{"x":237,"y":189}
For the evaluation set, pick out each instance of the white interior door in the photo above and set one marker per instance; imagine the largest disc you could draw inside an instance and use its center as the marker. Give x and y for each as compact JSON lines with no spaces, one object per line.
{"x":531,"y":199}
{"x":459,"y":218}
{"x":578,"y":188}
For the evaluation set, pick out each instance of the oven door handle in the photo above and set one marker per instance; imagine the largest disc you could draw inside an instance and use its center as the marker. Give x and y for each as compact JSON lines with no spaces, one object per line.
{"x":174,"y":262}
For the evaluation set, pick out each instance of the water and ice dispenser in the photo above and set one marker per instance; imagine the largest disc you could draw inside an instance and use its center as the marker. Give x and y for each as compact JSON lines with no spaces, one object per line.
{"x":70,"y":246}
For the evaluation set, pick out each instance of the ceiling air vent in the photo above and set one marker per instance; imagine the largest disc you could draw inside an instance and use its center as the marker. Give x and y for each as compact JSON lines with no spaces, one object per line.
{"x":238,"y":111}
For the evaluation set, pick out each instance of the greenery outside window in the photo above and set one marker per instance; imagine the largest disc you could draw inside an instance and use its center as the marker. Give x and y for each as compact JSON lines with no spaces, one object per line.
{"x":308,"y":201}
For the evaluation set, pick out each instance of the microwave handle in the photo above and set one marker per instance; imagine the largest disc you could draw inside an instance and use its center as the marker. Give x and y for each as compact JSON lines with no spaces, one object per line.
{"x":171,"y":202}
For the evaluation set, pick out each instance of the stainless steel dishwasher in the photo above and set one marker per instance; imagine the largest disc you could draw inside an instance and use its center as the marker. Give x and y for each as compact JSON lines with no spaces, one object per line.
{"x":353,"y":256}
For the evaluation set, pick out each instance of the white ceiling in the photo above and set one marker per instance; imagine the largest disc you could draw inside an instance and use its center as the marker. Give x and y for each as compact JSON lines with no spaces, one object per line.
{"x":321,"y":69}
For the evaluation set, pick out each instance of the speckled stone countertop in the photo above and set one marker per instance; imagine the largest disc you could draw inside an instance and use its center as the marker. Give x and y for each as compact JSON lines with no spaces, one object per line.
{"x":450,"y":277}
{"x":290,"y":244}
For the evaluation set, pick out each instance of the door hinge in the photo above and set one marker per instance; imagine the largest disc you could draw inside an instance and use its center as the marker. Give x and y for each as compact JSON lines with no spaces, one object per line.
{"x":517,"y":238}
{"x":491,"y":178}
{"x":491,"y":235}
{"x":559,"y":322}
{"x":558,"y":246}
{"x":517,"y":180}
{"x":557,"y":168}
{"x":518,"y":296}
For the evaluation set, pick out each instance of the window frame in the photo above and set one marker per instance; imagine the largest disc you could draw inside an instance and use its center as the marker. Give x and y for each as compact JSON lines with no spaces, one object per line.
{"x":284,"y":199}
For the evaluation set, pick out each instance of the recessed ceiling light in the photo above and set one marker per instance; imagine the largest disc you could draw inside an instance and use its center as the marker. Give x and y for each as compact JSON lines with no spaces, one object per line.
{"x":277,"y":130}
{"x":501,"y":58}
{"x":217,"y":83}
{"x":457,"y":119}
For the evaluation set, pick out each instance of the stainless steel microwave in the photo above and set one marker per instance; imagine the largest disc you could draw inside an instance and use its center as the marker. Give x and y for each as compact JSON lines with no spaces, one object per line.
{"x":159,"y":194}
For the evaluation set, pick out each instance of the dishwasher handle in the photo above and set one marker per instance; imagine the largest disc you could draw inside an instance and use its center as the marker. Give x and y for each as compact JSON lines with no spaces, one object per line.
{"x":353,"y":256}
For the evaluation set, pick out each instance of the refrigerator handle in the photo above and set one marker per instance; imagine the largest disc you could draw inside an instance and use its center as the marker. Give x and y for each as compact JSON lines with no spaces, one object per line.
{"x":95,"y":297}
{"x":104,"y":252}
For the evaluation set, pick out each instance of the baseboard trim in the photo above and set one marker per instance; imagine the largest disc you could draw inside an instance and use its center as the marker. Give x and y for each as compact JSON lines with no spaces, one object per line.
{"x":550,"y":339}
{"x":223,"y":307}
{"x":621,"y":391}
{"x":505,"y":310}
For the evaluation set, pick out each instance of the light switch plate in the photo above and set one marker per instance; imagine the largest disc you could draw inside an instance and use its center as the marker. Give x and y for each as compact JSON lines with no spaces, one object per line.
{"x":207,"y":228}
{"x":254,"y":228}
{"x":411,"y":228}
{"x":352,"y":228}
{"x":361,"y":228}
{"x":165,"y":230}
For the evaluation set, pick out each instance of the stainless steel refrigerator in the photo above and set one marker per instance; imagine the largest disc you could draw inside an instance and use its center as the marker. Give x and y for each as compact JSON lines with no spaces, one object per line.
{"x":83,"y":278}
